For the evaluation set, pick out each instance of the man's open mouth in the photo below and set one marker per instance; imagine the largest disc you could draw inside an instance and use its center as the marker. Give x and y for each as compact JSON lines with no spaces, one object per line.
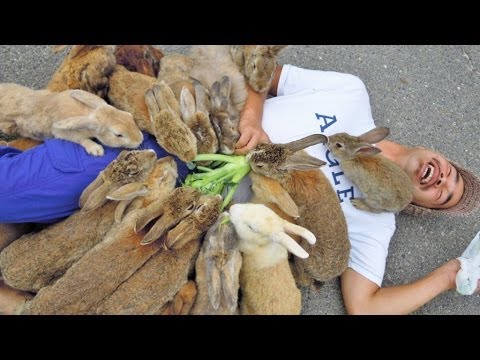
{"x":430,"y":174}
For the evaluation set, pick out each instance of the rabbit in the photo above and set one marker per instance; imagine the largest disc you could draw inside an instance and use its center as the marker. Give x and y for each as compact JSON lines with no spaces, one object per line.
{"x":257,"y":63}
{"x":144,"y":59}
{"x":37,"y":259}
{"x":171,"y":132}
{"x":22,"y":143}
{"x":11,"y":232}
{"x":178,"y":205}
{"x":318,"y":205}
{"x":163,"y":275}
{"x":182,"y":302}
{"x":195,"y":114}
{"x":127,"y":92}
{"x":385,"y":186}
{"x":117,"y":257}
{"x":74,"y":115}
{"x":266,"y":280}
{"x":224,"y":118}
{"x":86,"y":67}
{"x":217,"y":270}
{"x":206,"y":212}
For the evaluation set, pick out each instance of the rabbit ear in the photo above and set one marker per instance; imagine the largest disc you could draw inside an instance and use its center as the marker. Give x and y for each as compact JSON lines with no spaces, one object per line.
{"x":201,"y":97}
{"x":375,"y":135}
{"x":301,"y":231}
{"x":230,"y":290}
{"x":129,"y":192}
{"x":152,"y":211}
{"x":88,"y":191}
{"x":97,"y":198}
{"x":187,"y":104}
{"x":306,"y":142}
{"x":275,"y":49}
{"x":213,"y":279}
{"x":271,"y":191}
{"x":77,"y":123}
{"x":120,"y":209}
{"x":92,"y":101}
{"x":367,"y":149}
{"x":302,"y":161}
{"x":290,"y":244}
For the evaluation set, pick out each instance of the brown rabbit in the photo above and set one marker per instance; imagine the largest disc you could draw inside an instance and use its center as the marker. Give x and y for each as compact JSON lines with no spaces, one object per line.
{"x":164,"y":274}
{"x":317,"y":202}
{"x":169,"y":129}
{"x":37,"y":259}
{"x":385,"y":186}
{"x":257,"y":63}
{"x":86,"y":67}
{"x":217,"y":270}
{"x":144,"y":59}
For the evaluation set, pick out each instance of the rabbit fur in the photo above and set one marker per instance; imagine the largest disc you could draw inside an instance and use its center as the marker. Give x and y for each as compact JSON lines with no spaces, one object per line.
{"x":385,"y":186}
{"x":217,"y":271}
{"x":318,"y":206}
{"x":86,"y":67}
{"x":267,"y":283}
{"x":37,"y":259}
{"x":74,"y":115}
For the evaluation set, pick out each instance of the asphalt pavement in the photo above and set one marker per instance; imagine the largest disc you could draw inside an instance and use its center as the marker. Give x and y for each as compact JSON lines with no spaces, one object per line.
{"x":427,"y":95}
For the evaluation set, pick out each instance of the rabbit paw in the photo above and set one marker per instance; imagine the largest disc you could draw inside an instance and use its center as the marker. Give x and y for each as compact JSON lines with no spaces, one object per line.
{"x":94,"y":149}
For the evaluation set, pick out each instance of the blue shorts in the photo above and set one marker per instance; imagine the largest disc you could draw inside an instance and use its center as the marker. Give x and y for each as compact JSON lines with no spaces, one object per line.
{"x":44,"y":184}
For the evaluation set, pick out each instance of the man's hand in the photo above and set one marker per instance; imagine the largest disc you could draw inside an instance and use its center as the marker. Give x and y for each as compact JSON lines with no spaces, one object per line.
{"x":250,"y":136}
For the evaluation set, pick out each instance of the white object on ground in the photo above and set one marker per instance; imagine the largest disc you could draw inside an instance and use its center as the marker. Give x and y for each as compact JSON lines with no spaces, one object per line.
{"x":469,"y":273}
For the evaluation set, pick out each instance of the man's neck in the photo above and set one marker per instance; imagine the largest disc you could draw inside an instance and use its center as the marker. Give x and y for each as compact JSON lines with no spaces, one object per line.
{"x":396,"y":152}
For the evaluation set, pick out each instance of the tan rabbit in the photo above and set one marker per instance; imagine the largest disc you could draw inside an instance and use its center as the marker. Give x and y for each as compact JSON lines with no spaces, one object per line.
{"x":86,"y":67}
{"x":144,"y":59}
{"x":267,"y":284}
{"x":74,"y":115}
{"x":318,"y":206}
{"x":37,"y":259}
{"x":217,"y":270}
{"x":257,"y":63}
{"x":385,"y":186}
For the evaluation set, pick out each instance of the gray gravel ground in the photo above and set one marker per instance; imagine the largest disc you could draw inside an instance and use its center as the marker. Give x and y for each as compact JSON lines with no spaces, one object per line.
{"x":427,"y":95}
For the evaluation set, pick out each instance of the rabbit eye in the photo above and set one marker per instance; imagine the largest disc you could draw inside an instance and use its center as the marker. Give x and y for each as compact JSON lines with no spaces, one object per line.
{"x":338,"y":145}
{"x":119,"y":135}
{"x":260,"y":166}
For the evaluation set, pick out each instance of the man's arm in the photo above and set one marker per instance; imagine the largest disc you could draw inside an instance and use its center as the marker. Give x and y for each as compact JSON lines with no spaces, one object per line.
{"x":250,"y":125}
{"x":362,"y":296}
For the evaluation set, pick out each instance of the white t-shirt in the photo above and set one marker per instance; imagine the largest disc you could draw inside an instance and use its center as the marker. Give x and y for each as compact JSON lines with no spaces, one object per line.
{"x":312,"y":102}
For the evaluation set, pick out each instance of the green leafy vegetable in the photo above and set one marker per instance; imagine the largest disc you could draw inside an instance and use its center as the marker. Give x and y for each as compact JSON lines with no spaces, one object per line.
{"x":221,"y":177}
